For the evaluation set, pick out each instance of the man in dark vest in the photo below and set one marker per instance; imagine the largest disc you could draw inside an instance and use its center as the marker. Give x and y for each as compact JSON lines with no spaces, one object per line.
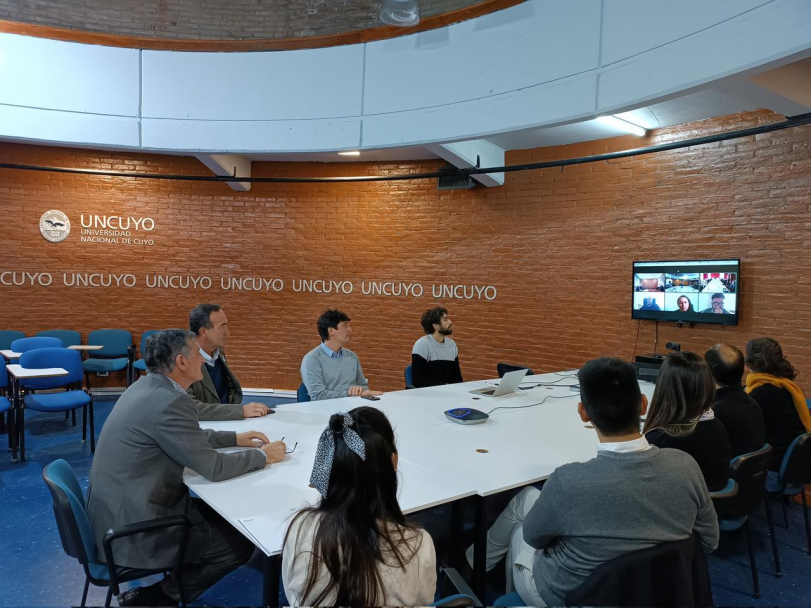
{"x":219,"y":393}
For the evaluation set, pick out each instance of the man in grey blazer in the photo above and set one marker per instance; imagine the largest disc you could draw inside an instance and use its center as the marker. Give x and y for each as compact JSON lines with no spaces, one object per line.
{"x":218,"y":392}
{"x":137,"y":474}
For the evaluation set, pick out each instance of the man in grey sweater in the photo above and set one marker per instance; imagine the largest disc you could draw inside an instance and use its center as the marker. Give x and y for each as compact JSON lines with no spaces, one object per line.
{"x":331,"y":371}
{"x":632,"y":496}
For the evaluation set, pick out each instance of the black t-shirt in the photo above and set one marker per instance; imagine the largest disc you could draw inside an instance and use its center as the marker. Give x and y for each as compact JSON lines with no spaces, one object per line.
{"x":781,"y":420}
{"x":742,"y":419}
{"x":708,"y":445}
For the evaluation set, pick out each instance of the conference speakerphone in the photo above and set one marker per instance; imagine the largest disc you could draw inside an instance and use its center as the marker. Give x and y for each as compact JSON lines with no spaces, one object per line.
{"x":466,"y":415}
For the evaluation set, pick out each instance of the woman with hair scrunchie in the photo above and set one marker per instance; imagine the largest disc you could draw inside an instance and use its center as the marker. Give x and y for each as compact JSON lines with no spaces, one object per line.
{"x":355,"y":548}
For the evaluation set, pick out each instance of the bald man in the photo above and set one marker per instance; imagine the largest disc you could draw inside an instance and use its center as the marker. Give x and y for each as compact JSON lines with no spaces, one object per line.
{"x":740,"y":414}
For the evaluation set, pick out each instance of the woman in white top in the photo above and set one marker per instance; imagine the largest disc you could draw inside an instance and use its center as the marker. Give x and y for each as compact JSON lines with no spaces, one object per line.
{"x":355,"y":548}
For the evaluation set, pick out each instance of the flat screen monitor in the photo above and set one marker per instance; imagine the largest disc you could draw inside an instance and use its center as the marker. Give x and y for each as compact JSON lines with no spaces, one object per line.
{"x":688,"y":291}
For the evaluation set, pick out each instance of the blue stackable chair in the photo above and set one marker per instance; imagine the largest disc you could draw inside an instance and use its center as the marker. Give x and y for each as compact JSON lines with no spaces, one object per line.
{"x":23,"y":345}
{"x":744,"y":493}
{"x":78,"y":541}
{"x":302,"y":394}
{"x":70,"y":399}
{"x":7,"y":336}
{"x":140,"y":364}
{"x":5,"y":404}
{"x":408,"y":378}
{"x":116,"y":356}
{"x":68,"y":336}
{"x":464,"y":595}
{"x":795,"y":475}
{"x":511,"y":599}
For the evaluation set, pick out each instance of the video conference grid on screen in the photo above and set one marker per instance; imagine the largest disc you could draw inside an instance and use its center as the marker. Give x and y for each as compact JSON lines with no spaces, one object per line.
{"x":694,"y":291}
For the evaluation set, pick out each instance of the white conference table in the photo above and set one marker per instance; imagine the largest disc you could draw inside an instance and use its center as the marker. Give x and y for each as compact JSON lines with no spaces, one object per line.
{"x":440,"y":462}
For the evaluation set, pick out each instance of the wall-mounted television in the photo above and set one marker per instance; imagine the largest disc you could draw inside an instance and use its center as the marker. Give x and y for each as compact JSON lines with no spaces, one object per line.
{"x":687,"y":291}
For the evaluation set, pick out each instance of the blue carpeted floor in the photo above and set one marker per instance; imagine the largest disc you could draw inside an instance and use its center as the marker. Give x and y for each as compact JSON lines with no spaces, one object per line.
{"x":34,"y":571}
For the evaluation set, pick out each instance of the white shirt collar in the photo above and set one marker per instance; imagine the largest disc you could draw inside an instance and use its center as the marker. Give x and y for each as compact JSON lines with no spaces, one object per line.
{"x":635,"y":445}
{"x":210,"y":359}
{"x":178,"y":388}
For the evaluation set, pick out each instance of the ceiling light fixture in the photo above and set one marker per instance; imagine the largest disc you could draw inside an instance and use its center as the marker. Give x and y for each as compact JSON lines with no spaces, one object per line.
{"x":349,"y":153}
{"x":402,"y":13}
{"x":622,"y":125}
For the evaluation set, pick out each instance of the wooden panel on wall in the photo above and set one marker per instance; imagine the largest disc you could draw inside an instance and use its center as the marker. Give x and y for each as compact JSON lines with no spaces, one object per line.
{"x":557,"y":246}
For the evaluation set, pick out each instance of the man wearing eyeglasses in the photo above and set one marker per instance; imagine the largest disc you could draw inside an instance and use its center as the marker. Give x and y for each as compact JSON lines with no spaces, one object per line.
{"x":717,"y":305}
{"x":150,"y":436}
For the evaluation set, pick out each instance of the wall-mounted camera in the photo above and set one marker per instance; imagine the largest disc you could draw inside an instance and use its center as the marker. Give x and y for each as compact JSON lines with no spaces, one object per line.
{"x":674,"y":346}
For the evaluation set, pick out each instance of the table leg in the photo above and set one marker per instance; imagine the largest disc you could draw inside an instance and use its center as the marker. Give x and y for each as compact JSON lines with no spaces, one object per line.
{"x":21,"y":426}
{"x":457,"y":525}
{"x":480,"y":548}
{"x":13,"y":434}
{"x":271,"y":573}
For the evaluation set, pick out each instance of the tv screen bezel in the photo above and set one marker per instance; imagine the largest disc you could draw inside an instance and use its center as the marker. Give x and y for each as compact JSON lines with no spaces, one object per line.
{"x":699,"y":317}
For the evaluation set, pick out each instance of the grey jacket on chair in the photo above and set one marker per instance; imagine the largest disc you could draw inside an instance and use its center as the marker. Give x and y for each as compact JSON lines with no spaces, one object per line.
{"x":137,"y":473}
{"x":205,"y":393}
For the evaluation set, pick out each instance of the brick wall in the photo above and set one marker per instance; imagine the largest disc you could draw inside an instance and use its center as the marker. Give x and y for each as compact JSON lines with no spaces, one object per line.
{"x":558,"y":246}
{"x":211,"y":19}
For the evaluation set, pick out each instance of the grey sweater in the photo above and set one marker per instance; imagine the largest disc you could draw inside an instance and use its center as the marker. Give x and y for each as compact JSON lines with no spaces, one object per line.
{"x":329,"y":378}
{"x":591,"y":512}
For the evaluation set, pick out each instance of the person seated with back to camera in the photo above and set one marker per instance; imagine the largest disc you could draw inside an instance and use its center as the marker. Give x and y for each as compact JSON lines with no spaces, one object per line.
{"x":632,"y":496}
{"x":681,"y":416}
{"x":435,"y":357}
{"x":737,"y":411}
{"x":770,"y":382}
{"x":330,"y":371}
{"x":355,"y":547}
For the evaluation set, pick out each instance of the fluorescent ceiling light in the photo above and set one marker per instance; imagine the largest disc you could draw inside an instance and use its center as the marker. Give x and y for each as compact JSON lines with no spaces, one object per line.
{"x":349,"y":153}
{"x":622,"y":125}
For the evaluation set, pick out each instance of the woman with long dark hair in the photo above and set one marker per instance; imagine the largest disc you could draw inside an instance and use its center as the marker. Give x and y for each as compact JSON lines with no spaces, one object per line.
{"x":770,"y":382}
{"x":680,"y":416}
{"x":355,"y":548}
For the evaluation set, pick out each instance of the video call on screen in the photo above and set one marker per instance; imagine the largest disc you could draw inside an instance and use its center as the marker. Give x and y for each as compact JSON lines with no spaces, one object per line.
{"x":693,"y":291}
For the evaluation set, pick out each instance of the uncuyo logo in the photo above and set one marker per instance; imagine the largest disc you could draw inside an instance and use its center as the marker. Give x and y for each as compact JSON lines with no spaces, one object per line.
{"x":54,"y":226}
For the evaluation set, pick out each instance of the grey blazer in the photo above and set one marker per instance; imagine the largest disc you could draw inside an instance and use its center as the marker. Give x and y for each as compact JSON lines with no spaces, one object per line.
{"x":208,"y":401}
{"x":137,"y":473}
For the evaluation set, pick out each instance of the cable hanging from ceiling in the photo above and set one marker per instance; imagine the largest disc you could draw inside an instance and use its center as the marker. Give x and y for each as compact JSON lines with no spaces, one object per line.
{"x":789,"y":123}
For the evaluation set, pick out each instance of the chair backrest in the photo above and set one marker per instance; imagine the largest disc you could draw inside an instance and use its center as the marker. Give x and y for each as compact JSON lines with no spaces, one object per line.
{"x":750,"y":471}
{"x":7,"y":336}
{"x":302,"y":394}
{"x":407,"y":374}
{"x":668,"y":574}
{"x":68,"y":336}
{"x":116,"y":343}
{"x":796,"y":466}
{"x":70,"y":511}
{"x":41,"y":358}
{"x":503,"y":368}
{"x":145,"y":337}
{"x":3,"y":373}
{"x":23,"y":345}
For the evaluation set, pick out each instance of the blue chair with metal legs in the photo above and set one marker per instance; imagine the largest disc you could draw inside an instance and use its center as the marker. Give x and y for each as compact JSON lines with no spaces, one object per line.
{"x":5,"y":404}
{"x":408,"y":377}
{"x":464,"y":595}
{"x":71,"y":399}
{"x":69,"y":337}
{"x":23,"y":345}
{"x":140,"y":364}
{"x":78,"y":541}
{"x":7,"y":336}
{"x":795,"y":475}
{"x":511,"y":599}
{"x":302,"y":394}
{"x":745,"y":491}
{"x":116,"y":354}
